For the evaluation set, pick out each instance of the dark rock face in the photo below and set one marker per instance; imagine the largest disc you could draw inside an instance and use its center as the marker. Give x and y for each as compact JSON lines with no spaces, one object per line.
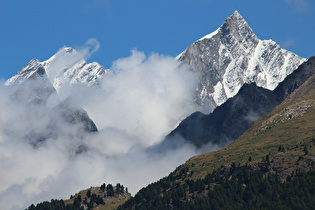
{"x":63,"y":121}
{"x":228,"y":121}
{"x":295,"y":80}
{"x":236,"y":115}
{"x":75,"y":116}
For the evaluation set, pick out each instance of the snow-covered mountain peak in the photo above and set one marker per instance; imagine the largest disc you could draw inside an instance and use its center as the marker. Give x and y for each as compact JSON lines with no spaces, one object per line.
{"x":235,"y":19}
{"x":236,"y":13}
{"x":66,"y":50}
{"x":66,"y":53}
{"x":31,"y":64}
{"x":26,"y":72}
{"x":236,"y":16}
{"x":65,"y":67}
{"x":232,"y":56}
{"x":235,"y":25}
{"x":69,"y":49}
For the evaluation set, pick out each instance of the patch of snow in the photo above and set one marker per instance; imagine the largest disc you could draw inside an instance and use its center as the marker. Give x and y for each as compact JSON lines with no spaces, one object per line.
{"x":219,"y":95}
{"x":209,"y":36}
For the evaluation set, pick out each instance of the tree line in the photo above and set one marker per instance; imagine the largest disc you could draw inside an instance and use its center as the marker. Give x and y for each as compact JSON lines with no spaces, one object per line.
{"x":88,"y":201}
{"x":236,"y":188}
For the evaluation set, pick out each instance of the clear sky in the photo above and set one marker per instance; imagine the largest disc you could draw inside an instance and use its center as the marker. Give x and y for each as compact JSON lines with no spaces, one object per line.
{"x":39,"y":28}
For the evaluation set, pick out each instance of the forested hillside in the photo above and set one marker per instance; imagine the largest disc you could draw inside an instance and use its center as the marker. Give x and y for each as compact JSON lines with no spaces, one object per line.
{"x":271,"y":166}
{"x":233,"y":188}
{"x":103,"y":197}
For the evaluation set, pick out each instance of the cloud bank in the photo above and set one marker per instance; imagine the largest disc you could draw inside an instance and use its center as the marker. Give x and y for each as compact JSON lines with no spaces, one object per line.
{"x":44,"y":157}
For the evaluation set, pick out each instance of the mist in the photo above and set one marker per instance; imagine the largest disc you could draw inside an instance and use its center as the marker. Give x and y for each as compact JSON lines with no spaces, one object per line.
{"x":43,"y":157}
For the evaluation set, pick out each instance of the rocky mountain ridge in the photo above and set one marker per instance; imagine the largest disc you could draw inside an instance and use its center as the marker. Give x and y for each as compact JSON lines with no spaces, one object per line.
{"x":67,"y":66}
{"x":285,"y":133}
{"x":237,"y":114}
{"x":232,"y":56}
{"x":229,"y":60}
{"x":225,"y":59}
{"x":236,"y":73}
{"x":35,"y":83}
{"x":275,"y":158}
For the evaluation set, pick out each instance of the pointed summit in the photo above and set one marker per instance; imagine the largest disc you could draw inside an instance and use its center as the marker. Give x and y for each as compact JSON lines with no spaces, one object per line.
{"x":69,"y":49}
{"x":238,"y":27}
{"x":232,"y":56}
{"x":234,"y":27}
{"x":236,"y":14}
{"x":26,"y":72}
{"x":236,"y":19}
{"x":66,"y":67}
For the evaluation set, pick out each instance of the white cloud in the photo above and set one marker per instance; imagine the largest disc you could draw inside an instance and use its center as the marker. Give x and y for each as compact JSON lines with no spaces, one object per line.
{"x":64,"y":59}
{"x":133,"y":110}
{"x":145,"y":99}
{"x":91,"y":46}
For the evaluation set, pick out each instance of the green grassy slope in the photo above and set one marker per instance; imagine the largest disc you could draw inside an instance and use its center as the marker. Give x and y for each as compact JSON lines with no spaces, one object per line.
{"x":281,"y":143}
{"x":283,"y":135}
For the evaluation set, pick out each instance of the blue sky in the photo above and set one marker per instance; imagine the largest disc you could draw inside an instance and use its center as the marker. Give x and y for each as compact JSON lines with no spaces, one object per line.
{"x":39,"y":28}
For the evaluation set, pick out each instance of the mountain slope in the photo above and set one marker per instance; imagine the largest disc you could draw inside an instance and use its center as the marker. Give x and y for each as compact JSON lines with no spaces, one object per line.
{"x":103,"y":198}
{"x":32,"y":88}
{"x":27,"y":71}
{"x":285,"y":134}
{"x":232,"y":56}
{"x":33,"y":84}
{"x":225,"y":59}
{"x":235,"y":116}
{"x":270,"y":166}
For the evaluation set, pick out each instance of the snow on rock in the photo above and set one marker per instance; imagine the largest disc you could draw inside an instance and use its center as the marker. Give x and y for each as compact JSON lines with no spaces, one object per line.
{"x":226,"y":59}
{"x":232,"y":56}
{"x":66,"y":67}
{"x":209,"y":36}
{"x":27,"y":71}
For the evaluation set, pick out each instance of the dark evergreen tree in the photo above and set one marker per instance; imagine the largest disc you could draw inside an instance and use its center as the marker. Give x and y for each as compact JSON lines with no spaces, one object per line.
{"x":244,"y":189}
{"x":110,"y":190}
{"x":88,"y":193}
{"x":103,"y":187}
